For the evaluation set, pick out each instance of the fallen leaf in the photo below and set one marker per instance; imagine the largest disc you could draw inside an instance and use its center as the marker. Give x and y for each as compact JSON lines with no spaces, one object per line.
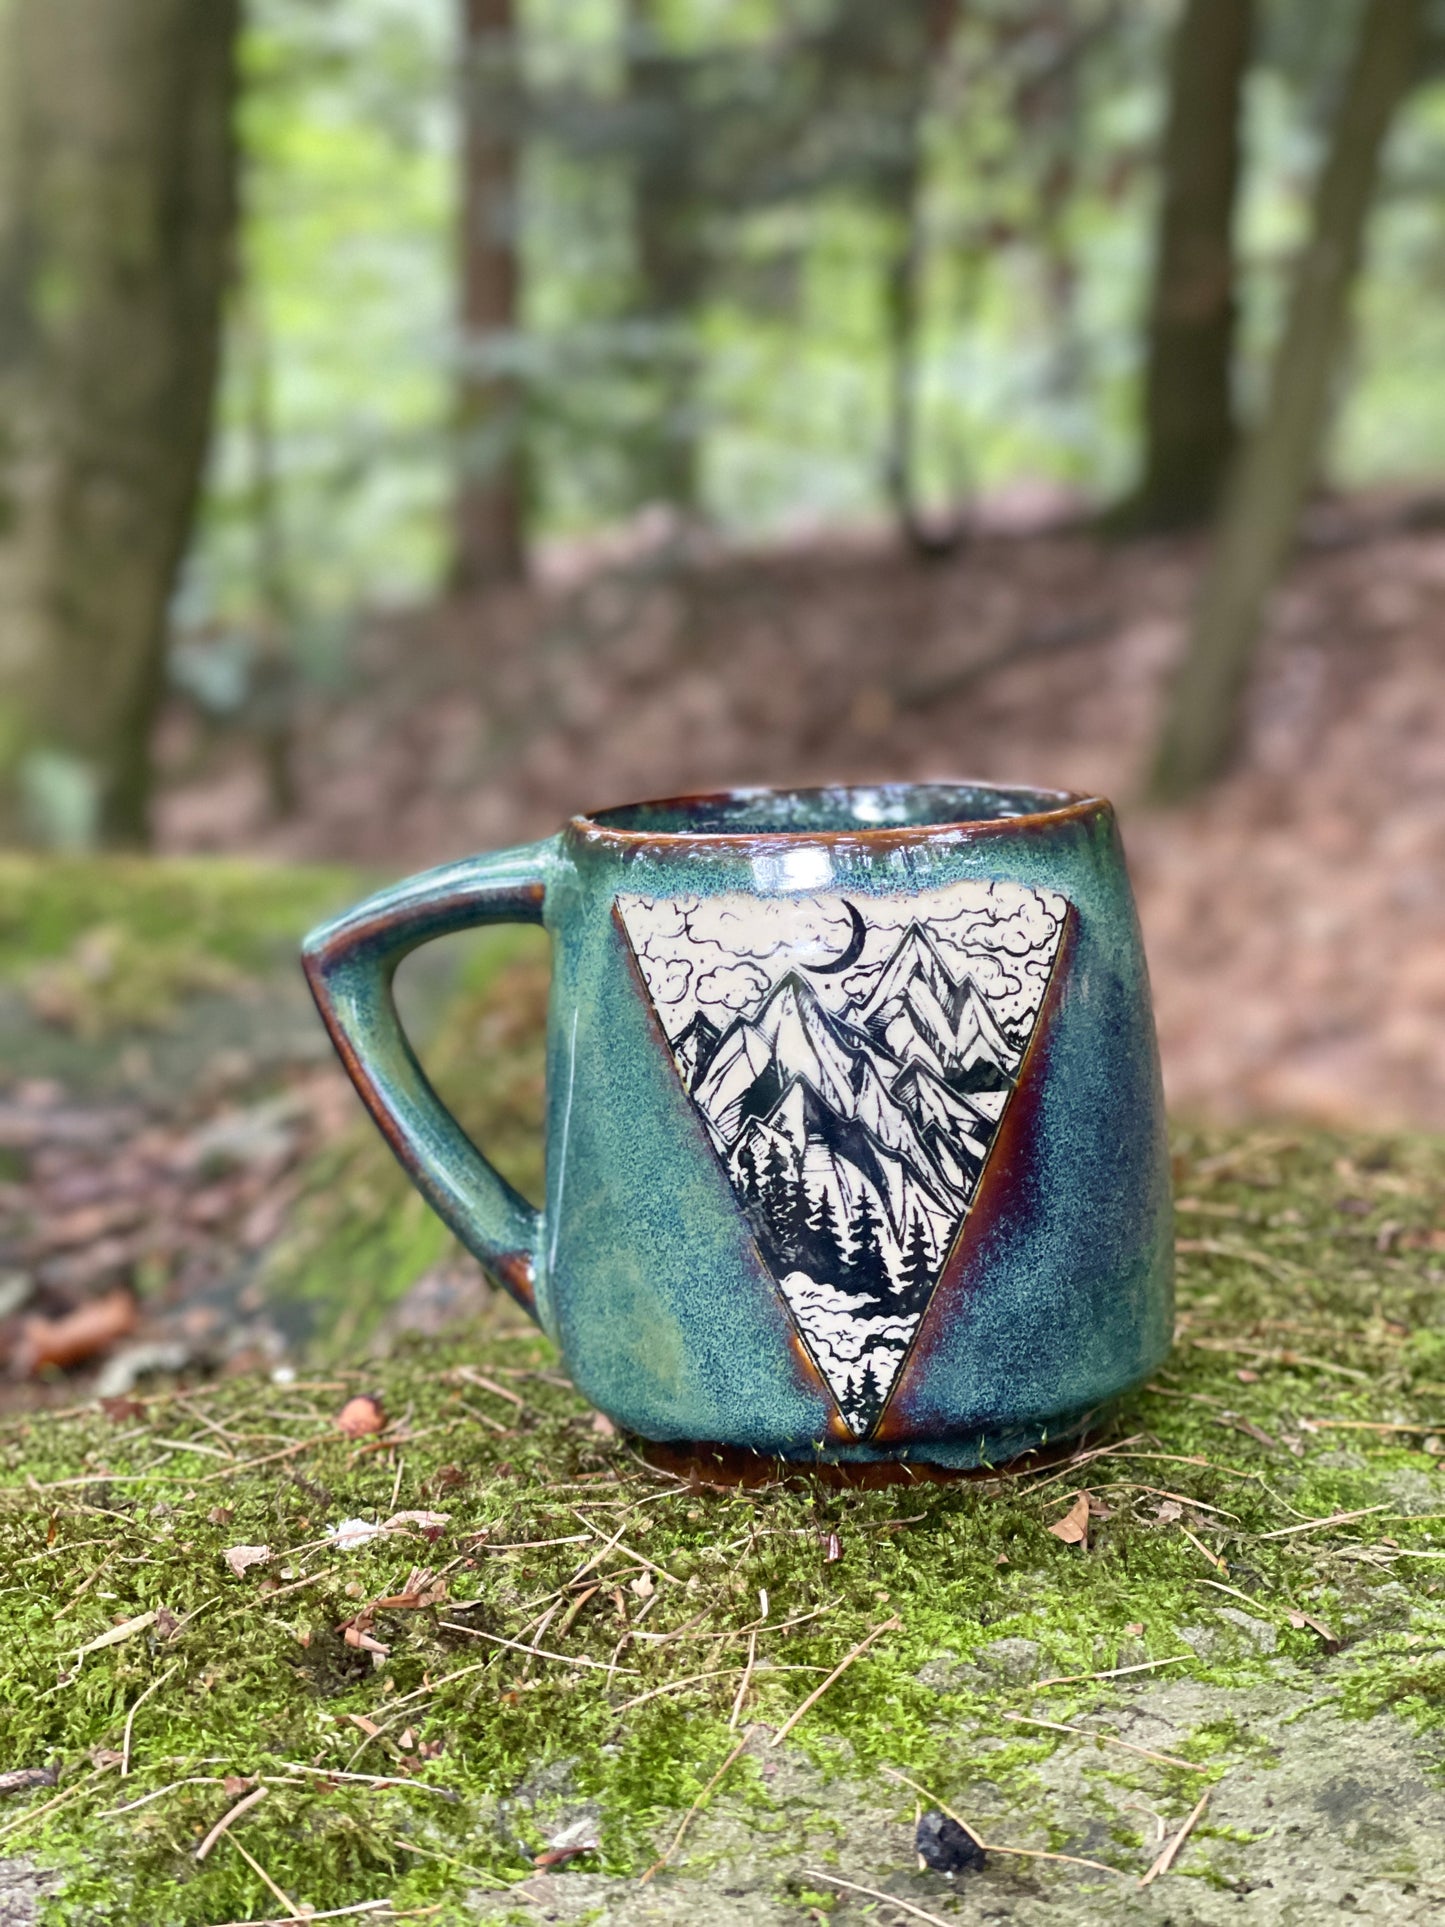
{"x":368,"y":1727}
{"x":19,"y":1779}
{"x":120,"y":1409}
{"x":117,"y":1633}
{"x":832,"y":1548}
{"x":642,"y":1585}
{"x":1135,"y":1629}
{"x":1299,"y":1619}
{"x":1246,"y":1376}
{"x":240,"y":1558}
{"x":235,"y":1784}
{"x":221,"y":1515}
{"x":354,"y":1636}
{"x":103,"y":1756}
{"x":603,"y":1426}
{"x":429,"y":1524}
{"x":167,"y":1625}
{"x":1073,"y":1528}
{"x":92,"y":1327}
{"x":360,"y":1416}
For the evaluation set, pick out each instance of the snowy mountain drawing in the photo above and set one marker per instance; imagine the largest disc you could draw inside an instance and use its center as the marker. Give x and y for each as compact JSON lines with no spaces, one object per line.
{"x":851,"y":1060}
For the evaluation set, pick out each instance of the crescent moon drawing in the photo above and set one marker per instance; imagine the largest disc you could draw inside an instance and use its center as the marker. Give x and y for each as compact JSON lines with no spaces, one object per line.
{"x":854,"y":950}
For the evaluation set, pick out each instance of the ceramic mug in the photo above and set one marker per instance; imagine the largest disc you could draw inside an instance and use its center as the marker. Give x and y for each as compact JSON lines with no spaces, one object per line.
{"x":855,"y":1141}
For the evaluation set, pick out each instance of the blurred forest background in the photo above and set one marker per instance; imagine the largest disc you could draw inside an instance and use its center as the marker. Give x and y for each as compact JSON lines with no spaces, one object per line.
{"x":420,"y":419}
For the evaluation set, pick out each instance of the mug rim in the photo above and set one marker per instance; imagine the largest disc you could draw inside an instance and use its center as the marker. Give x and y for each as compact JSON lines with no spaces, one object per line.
{"x":1062,"y":806}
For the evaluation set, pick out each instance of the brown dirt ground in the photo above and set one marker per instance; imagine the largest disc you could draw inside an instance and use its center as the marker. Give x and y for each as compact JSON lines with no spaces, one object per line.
{"x":1295,"y":917}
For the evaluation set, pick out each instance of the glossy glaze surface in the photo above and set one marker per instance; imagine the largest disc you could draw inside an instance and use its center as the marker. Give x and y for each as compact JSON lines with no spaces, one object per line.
{"x":1023,"y":1262}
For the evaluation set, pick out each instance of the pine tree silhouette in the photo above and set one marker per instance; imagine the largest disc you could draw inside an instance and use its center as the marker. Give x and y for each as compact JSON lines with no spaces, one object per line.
{"x":865,"y":1266}
{"x":784,"y":1203}
{"x":917,"y":1275}
{"x":748,"y":1173}
{"x":825,"y":1246}
{"x":866,"y":1395}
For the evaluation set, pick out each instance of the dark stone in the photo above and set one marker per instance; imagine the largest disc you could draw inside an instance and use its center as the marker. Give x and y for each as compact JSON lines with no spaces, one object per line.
{"x":946,"y":1847}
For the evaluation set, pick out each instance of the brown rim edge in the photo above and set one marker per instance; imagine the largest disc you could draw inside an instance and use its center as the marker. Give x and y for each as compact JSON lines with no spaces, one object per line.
{"x":1073,"y":807}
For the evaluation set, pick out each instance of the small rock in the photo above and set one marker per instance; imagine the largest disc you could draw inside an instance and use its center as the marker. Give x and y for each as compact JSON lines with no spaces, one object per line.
{"x":1010,"y":1659}
{"x":947,"y":1848}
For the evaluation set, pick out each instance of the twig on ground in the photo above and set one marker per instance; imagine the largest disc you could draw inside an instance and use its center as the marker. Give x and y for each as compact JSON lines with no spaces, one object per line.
{"x":285,"y":1899}
{"x":371,"y":1779}
{"x":1171,"y":1852}
{"x":130,"y":1717}
{"x":229,"y":1819}
{"x":888,"y":1626}
{"x":1113,"y":1672}
{"x":675,"y":1686}
{"x":1109,"y":1739}
{"x":745,"y":1681}
{"x":1316,"y":1525}
{"x":697,"y":1806}
{"x":199,"y":1779}
{"x":876,"y":1893}
{"x":35,"y":1813}
{"x":331,"y":1913}
{"x":538,"y":1652}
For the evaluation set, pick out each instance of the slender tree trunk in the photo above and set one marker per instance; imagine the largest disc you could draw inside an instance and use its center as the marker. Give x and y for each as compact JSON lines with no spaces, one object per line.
{"x":924,"y":30}
{"x":117,"y":196}
{"x":1189,"y":419}
{"x":1277,"y":467}
{"x":272,"y":698}
{"x":490,"y":541}
{"x":670,"y":260}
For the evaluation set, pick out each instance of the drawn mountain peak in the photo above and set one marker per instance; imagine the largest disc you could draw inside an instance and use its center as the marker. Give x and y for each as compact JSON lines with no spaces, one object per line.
{"x":853,"y":1128}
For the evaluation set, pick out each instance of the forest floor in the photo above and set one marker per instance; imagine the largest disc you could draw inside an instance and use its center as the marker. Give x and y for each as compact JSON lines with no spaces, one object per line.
{"x":464,"y":1656}
{"x":205,"y":1250}
{"x":1294,"y":918}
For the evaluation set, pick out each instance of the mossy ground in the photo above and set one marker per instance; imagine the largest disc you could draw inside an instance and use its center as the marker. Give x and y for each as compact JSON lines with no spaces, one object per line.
{"x":1308,"y":1383}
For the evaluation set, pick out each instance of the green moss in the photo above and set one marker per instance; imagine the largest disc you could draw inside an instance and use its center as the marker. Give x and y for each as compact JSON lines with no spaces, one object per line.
{"x":100,"y":945}
{"x":361,"y":1236}
{"x":1309,"y":1272}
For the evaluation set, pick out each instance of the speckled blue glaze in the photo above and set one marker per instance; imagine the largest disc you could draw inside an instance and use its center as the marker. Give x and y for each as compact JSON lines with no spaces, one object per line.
{"x":643,"y":1269}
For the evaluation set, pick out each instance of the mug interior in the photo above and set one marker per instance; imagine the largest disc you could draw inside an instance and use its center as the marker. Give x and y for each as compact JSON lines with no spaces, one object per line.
{"x":858,"y":808}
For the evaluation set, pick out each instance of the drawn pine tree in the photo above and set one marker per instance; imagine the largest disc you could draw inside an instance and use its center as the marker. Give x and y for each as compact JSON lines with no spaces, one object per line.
{"x":866,"y":1270}
{"x":827,"y":1262}
{"x":916,"y":1277}
{"x":749,"y":1183}
{"x":866,"y":1395}
{"x":783,"y":1204}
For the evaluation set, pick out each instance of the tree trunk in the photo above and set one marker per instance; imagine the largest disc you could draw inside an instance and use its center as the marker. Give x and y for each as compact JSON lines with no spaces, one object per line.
{"x":1189,"y":420}
{"x":670,"y":261}
{"x":1277,"y":467}
{"x":922,"y":34}
{"x":490,"y":512}
{"x":117,"y":202}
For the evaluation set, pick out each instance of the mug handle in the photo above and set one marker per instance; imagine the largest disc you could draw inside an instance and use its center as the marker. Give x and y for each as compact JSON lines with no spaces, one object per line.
{"x":350,"y":964}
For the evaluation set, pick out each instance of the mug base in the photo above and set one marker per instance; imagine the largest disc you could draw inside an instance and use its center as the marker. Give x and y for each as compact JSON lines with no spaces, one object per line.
{"x":727,"y":1466}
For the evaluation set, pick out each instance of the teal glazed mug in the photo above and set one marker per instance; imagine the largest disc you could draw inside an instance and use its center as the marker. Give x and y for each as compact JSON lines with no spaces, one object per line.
{"x":855,"y":1140}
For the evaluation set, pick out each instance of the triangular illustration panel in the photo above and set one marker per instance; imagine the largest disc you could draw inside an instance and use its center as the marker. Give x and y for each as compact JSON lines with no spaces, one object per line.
{"x":851,"y":1058}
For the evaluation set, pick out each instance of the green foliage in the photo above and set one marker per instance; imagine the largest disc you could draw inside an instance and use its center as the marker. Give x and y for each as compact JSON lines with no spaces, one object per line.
{"x":360,"y":1236}
{"x":99,"y":947}
{"x":1310,"y":1296}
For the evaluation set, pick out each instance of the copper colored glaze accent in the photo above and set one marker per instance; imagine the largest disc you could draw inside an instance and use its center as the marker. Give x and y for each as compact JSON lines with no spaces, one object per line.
{"x":1072,"y":808}
{"x":1011,"y":1164}
{"x":727,"y":1467}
